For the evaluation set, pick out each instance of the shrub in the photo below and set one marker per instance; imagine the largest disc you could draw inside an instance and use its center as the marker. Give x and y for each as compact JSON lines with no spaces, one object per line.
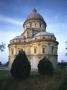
{"x":20,"y":67}
{"x":63,"y":85}
{"x":45,"y":67}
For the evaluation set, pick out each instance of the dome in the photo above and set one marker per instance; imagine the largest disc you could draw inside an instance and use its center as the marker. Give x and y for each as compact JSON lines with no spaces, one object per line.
{"x":44,"y":34}
{"x":34,"y":16}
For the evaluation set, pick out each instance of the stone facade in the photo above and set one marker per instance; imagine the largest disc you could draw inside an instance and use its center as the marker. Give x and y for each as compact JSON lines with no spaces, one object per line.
{"x":35,"y":41}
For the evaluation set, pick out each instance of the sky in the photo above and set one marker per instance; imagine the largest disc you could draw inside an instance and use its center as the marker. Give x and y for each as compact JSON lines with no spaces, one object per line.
{"x":13,"y":13}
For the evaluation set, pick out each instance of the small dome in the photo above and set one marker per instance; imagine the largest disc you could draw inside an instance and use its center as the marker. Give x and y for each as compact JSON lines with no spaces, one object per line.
{"x":44,"y":34}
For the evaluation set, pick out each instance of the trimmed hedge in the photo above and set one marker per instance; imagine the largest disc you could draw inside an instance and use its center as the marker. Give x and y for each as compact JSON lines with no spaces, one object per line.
{"x":45,"y":67}
{"x":21,"y":67}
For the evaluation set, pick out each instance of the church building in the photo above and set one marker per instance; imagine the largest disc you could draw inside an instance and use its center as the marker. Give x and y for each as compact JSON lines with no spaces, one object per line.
{"x":35,"y":41}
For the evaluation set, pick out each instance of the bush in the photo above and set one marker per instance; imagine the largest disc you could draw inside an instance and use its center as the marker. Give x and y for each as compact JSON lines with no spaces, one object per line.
{"x":45,"y":67}
{"x":21,"y":67}
{"x":63,"y":85}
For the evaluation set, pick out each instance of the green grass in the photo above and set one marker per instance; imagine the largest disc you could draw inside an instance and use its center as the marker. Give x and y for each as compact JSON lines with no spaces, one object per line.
{"x":34,"y":82}
{"x":4,"y":74}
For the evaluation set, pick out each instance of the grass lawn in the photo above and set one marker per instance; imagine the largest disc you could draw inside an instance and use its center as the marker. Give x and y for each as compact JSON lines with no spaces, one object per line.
{"x":34,"y":82}
{"x":4,"y":74}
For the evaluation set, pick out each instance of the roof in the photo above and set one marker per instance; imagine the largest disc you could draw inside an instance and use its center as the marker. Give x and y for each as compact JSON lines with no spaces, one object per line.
{"x":18,"y":37}
{"x":44,"y":34}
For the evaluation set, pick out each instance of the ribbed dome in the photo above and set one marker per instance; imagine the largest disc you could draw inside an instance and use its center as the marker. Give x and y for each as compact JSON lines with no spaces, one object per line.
{"x":35,"y":18}
{"x":35,"y":15}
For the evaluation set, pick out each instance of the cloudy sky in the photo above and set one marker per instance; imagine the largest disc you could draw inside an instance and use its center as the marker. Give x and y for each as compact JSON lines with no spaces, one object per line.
{"x":14,"y":12}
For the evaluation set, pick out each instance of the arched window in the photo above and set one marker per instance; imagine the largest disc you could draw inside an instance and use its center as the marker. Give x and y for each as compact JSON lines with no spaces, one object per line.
{"x":52,"y":49}
{"x":43,"y":37}
{"x":33,"y":25}
{"x":40,"y":24}
{"x":34,"y":50}
{"x":12,"y":51}
{"x":43,"y":50}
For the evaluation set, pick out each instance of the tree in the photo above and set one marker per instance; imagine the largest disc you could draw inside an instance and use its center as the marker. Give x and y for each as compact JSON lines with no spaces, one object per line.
{"x":21,"y":67}
{"x":45,"y":67}
{"x":2,"y":47}
{"x":0,"y":63}
{"x":62,"y":64}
